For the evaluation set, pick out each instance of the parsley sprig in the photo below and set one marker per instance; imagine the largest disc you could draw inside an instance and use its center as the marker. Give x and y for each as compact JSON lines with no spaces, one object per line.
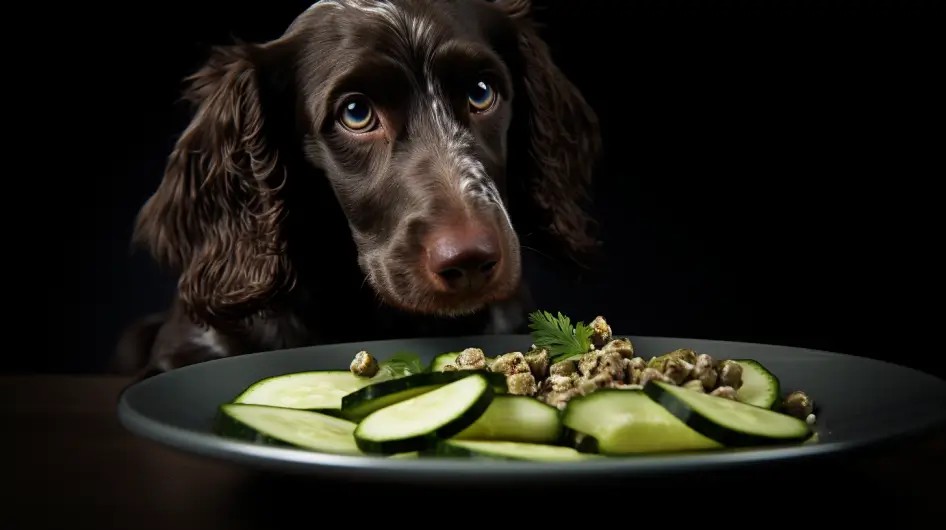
{"x":558,"y":336}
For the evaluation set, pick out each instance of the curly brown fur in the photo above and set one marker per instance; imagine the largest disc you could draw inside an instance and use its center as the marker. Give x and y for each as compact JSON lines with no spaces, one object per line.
{"x":563,"y":139}
{"x":217,"y":215}
{"x":287,"y":229}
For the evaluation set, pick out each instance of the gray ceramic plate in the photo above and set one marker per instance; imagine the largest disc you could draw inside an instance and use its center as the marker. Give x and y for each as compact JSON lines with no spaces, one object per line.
{"x":861,"y":401}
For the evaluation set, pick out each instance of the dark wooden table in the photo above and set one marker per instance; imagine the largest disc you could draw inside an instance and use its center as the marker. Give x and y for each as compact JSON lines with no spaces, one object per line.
{"x":74,"y":466}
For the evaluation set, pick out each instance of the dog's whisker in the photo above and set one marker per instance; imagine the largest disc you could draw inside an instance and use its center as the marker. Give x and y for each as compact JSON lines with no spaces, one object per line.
{"x":540,"y":253}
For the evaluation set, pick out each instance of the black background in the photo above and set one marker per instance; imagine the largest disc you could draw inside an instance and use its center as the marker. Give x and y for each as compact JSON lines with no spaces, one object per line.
{"x":770,"y":169}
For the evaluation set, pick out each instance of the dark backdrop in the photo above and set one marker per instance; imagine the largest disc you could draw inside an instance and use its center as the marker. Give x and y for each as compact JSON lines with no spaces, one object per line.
{"x":769,"y":169}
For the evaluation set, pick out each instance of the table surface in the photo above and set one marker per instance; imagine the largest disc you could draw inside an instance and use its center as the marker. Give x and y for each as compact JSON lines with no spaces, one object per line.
{"x":74,"y":464}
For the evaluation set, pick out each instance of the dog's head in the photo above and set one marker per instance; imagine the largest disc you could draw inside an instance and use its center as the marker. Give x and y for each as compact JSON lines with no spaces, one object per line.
{"x":420,"y":114}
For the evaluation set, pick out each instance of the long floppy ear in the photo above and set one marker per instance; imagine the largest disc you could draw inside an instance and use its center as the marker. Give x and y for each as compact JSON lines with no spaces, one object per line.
{"x":563,"y":140}
{"x":216,"y":217}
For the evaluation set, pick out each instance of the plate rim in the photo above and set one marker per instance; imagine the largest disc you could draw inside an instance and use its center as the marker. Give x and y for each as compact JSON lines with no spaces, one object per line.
{"x":373,"y":468}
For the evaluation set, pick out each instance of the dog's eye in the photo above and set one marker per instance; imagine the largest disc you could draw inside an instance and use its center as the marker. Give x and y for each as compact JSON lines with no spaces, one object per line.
{"x":481,"y":96}
{"x":357,"y":115}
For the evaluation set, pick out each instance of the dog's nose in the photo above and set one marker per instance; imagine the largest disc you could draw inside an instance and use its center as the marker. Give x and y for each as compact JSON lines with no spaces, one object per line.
{"x":463,"y":257}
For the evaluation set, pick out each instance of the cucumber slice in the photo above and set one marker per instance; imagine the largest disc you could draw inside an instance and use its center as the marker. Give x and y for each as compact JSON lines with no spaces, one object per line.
{"x":508,"y":451}
{"x":759,"y":387}
{"x":361,"y":403}
{"x":286,"y":427}
{"x":303,"y":390}
{"x":411,"y":425}
{"x":726,"y":421}
{"x":627,"y":422}
{"x":516,"y":419}
{"x":443,"y":360}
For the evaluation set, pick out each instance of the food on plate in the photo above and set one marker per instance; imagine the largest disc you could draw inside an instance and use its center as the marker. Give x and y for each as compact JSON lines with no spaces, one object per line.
{"x":286,"y":427}
{"x":798,"y":404}
{"x":364,"y":365}
{"x":507,"y":450}
{"x":727,"y":421}
{"x":576,"y":393}
{"x":324,"y":390}
{"x":304,"y":390}
{"x":516,"y":419}
{"x":362,"y":402}
{"x":409,"y":425}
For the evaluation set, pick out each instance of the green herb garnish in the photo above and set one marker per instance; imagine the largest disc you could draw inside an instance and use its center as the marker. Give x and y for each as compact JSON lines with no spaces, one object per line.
{"x":401,"y":364}
{"x":558,"y":336}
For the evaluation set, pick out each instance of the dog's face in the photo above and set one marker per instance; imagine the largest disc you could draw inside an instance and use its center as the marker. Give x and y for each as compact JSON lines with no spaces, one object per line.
{"x":409,"y":109}
{"x":422,"y":115}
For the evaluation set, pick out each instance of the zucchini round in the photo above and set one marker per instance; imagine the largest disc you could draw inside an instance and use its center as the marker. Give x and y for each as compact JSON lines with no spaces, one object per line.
{"x":361,"y":403}
{"x":759,"y":387}
{"x":286,"y":427}
{"x":304,"y":390}
{"x":621,"y":422}
{"x":726,"y":421}
{"x":516,"y":419}
{"x":507,"y":451}
{"x":413,"y":424}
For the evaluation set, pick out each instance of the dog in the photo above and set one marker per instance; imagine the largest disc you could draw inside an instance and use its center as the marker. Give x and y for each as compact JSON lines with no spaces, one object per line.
{"x":357,"y":179}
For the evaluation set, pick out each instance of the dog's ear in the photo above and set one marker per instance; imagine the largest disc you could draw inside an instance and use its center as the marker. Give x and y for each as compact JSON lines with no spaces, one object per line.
{"x":559,"y":133}
{"x":216,"y":216}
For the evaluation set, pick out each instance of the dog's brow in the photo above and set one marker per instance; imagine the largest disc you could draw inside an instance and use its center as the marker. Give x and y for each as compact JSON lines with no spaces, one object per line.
{"x":369,"y":71}
{"x":463,"y":59}
{"x":464,"y":50}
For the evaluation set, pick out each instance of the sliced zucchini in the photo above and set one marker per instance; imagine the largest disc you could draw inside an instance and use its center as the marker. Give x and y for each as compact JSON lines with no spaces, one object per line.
{"x":442,"y":360}
{"x":516,"y":419}
{"x":726,"y":421}
{"x":304,"y":390}
{"x":759,"y":387}
{"x":507,"y":451}
{"x":363,"y":402}
{"x":627,"y":422}
{"x":413,"y":424}
{"x":286,"y":427}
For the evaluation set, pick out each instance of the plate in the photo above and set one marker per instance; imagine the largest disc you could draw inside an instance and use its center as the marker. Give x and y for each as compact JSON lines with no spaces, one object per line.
{"x":861,"y":402}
